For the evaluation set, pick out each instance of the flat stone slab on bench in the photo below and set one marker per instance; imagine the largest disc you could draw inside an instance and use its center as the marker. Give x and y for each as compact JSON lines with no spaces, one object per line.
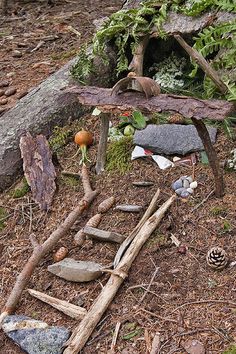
{"x":171,"y":139}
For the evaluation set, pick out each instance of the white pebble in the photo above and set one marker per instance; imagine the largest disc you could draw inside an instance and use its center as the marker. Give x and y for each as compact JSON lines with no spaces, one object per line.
{"x":193,"y":185}
{"x":190,"y":190}
{"x":176,"y":158}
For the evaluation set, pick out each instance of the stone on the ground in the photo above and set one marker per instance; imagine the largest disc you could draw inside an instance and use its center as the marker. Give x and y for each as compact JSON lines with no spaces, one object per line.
{"x":171,"y":139}
{"x":77,"y":271}
{"x":35,"y":337}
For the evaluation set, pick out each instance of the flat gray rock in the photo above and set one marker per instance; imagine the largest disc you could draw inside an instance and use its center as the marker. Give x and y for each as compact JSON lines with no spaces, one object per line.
{"x":77,"y":271}
{"x":169,"y":139}
{"x":35,"y":337}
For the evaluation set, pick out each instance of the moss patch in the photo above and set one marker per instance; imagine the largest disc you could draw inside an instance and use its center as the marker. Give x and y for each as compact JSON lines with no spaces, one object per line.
{"x":3,"y":215}
{"x":21,"y":190}
{"x":118,"y":155}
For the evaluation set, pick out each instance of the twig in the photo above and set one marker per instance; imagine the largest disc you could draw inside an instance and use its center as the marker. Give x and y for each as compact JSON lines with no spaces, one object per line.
{"x":157,"y":316}
{"x":156,"y":343}
{"x":203,"y":201}
{"x":115,"y":336}
{"x":228,"y":302}
{"x":71,"y":174}
{"x":149,"y":285}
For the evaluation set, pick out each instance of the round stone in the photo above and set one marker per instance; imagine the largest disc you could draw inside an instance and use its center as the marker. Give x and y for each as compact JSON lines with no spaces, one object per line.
{"x":190,"y":179}
{"x":177,"y":184}
{"x":184,"y":194}
{"x":3,"y":101}
{"x":16,"y":54}
{"x":179,"y":191}
{"x":11,"y":91}
{"x":186,"y":183}
{"x":190,"y":190}
{"x":193,"y":185}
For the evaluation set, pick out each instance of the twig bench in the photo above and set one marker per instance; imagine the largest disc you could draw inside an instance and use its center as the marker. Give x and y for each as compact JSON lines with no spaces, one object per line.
{"x":189,"y":107}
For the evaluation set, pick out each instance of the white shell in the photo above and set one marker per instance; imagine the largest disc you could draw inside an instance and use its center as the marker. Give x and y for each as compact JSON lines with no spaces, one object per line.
{"x":193,"y":185}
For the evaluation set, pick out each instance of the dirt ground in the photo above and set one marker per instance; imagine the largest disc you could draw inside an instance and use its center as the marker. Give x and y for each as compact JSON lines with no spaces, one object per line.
{"x":186,"y":299}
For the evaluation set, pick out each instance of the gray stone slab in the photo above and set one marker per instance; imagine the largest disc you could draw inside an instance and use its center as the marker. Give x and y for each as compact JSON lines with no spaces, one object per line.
{"x":77,"y":271}
{"x":169,"y":139}
{"x":35,"y":337}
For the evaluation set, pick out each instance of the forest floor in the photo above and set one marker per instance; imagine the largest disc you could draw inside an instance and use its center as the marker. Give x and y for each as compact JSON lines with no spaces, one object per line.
{"x":186,"y":300}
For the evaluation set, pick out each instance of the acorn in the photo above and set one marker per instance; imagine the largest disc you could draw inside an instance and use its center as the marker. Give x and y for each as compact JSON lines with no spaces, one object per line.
{"x":176,"y":119}
{"x":60,"y":254}
{"x":106,"y":205}
{"x":217,"y":258}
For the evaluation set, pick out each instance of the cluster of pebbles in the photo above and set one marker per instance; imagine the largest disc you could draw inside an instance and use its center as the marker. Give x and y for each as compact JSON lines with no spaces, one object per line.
{"x":184,"y":186}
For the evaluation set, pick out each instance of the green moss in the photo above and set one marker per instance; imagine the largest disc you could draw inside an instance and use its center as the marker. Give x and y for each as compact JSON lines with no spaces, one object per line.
{"x":60,"y":137}
{"x":22,"y":189}
{"x":119,"y":155}
{"x":64,"y":55}
{"x":3,"y":215}
{"x":231,"y":350}
{"x":218,"y":210}
{"x":227,"y":227}
{"x":70,"y":181}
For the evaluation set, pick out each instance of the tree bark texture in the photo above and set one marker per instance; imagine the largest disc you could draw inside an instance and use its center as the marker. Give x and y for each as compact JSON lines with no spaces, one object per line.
{"x":189,"y":107}
{"x":102,"y":146}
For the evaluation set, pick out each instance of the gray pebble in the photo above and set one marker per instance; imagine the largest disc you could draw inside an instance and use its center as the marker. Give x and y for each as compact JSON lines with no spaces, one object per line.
{"x":16,"y":54}
{"x":1,"y":92}
{"x":190,"y":179}
{"x":184,"y":194}
{"x":177,"y":184}
{"x":180,"y":190}
{"x":11,"y":91}
{"x":186,"y":183}
{"x":4,"y":83}
{"x":183,"y":177}
{"x":190,"y":190}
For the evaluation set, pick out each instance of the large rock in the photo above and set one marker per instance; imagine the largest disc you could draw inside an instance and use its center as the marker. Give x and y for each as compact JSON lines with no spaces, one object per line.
{"x":77,"y":271}
{"x":35,"y":337}
{"x":171,"y":139}
{"x":38,"y":112}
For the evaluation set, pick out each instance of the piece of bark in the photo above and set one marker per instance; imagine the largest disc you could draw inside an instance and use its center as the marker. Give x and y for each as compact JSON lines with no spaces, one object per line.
{"x":67,"y":308}
{"x":39,"y":251}
{"x":189,"y":107}
{"x":129,"y":208}
{"x":102,"y":145}
{"x":201,"y":61}
{"x":102,"y":235}
{"x":136,"y":65}
{"x":38,"y":169}
{"x":156,"y":344}
{"x":81,"y":334}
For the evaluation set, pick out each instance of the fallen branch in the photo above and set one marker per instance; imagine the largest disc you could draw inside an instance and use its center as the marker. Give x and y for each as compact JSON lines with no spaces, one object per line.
{"x":102,"y":235}
{"x":67,"y":308}
{"x":81,"y":334}
{"x":39,"y":251}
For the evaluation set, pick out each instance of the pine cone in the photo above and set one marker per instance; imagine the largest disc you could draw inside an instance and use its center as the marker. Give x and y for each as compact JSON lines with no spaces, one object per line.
{"x":217,"y":258}
{"x":176,"y":119}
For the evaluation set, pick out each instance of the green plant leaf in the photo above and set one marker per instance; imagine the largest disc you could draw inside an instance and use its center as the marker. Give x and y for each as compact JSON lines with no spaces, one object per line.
{"x":138,"y":121}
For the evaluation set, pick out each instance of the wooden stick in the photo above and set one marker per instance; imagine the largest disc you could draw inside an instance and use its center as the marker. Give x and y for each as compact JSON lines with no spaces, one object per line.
{"x":201,"y":61}
{"x":114,"y":338}
{"x":102,"y":235}
{"x":136,"y":64}
{"x":156,"y":343}
{"x":71,"y":174}
{"x":102,"y":146}
{"x":81,"y":334}
{"x":150,"y":210}
{"x":212,"y":156}
{"x":40,"y":251}
{"x":69,"y":309}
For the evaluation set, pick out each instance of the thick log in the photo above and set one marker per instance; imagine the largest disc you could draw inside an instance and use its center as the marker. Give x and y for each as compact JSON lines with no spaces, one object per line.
{"x":81,"y":334}
{"x":67,"y":308}
{"x":189,"y":107}
{"x":40,"y":250}
{"x":102,"y":235}
{"x":38,"y":169}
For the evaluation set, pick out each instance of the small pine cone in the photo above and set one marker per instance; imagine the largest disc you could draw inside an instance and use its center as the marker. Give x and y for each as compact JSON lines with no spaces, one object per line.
{"x":94,"y":220}
{"x":217,"y":258}
{"x":106,"y":205}
{"x":60,"y":254}
{"x":176,"y":119}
